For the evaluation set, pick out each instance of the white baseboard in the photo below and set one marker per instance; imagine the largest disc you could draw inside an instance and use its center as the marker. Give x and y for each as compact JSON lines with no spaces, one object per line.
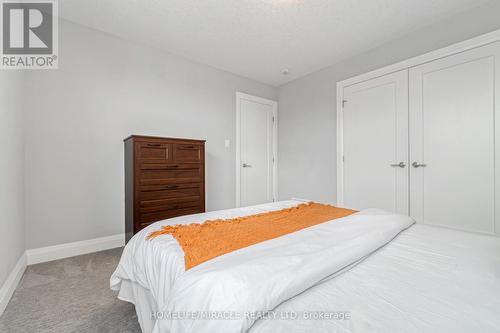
{"x":49,"y":253}
{"x":10,"y":285}
{"x":55,"y":252}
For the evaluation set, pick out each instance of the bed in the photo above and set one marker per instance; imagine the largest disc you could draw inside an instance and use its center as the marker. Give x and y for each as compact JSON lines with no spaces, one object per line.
{"x":415,"y":278}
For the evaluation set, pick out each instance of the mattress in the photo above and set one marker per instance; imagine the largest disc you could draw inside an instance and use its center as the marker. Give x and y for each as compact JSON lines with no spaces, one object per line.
{"x":428,"y":279}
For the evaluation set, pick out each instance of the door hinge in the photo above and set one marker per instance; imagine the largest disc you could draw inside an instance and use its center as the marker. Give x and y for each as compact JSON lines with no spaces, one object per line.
{"x":343,"y":102}
{"x":273,"y":119}
{"x":343,"y":158}
{"x":273,"y":159}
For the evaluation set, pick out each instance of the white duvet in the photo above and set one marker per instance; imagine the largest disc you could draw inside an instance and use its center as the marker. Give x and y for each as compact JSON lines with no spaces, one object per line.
{"x":245,"y":283}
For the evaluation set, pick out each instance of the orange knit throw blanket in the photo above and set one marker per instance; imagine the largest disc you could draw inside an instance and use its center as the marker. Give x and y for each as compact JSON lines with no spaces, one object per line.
{"x":205,"y":241}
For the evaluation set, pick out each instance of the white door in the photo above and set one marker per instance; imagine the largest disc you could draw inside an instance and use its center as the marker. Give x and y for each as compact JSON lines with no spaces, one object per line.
{"x":375,"y":144}
{"x":453,"y":102}
{"x":256,"y":144}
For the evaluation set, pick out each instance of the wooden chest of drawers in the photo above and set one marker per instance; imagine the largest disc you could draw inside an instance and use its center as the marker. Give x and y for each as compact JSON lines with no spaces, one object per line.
{"x":164,"y":178}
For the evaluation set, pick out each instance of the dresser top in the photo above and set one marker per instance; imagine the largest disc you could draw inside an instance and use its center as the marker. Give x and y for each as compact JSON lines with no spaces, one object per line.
{"x":146,"y":137}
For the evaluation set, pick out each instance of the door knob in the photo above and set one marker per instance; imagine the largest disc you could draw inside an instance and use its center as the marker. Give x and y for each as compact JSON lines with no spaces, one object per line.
{"x":399,"y":165}
{"x":418,"y":165}
{"x":246,"y":165}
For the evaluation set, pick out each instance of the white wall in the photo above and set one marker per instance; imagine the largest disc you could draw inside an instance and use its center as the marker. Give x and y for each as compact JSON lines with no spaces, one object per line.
{"x":104,"y":90}
{"x":307,"y":122}
{"x":12,"y":229}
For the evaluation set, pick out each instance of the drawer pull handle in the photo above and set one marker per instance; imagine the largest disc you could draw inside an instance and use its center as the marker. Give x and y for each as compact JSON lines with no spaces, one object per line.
{"x":171,"y":187}
{"x":188,"y":147}
{"x":173,"y":166}
{"x":154,"y":145}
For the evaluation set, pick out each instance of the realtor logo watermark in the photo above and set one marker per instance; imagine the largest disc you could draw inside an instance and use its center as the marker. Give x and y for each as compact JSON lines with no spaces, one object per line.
{"x":29,"y":34}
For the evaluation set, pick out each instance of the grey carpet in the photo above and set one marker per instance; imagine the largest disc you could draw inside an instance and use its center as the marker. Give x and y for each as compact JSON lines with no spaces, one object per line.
{"x":69,"y":295}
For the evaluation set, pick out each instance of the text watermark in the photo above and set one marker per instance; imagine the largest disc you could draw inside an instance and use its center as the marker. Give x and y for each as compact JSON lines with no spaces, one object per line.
{"x":29,"y":34}
{"x":256,"y":315}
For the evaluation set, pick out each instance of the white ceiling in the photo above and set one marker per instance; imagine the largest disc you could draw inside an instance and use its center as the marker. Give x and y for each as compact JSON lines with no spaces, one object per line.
{"x":258,"y":38}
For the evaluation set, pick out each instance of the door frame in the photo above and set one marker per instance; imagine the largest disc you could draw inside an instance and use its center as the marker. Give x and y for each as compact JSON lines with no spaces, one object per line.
{"x":274,"y":104}
{"x":466,"y":45}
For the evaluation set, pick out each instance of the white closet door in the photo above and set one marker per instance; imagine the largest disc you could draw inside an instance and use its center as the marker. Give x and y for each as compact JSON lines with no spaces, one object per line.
{"x":452,"y":140}
{"x":375,"y":144}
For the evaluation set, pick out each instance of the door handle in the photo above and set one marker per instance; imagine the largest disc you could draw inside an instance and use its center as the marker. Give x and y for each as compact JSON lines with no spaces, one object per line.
{"x":399,"y":165}
{"x":246,"y":165}
{"x":418,"y":165}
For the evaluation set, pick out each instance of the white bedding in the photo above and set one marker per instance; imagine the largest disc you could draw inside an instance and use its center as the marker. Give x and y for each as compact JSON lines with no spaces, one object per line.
{"x":253,"y":279}
{"x":428,"y":279}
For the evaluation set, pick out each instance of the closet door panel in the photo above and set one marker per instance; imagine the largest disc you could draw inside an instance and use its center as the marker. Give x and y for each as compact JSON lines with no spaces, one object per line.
{"x":452,"y":140}
{"x":375,"y":141}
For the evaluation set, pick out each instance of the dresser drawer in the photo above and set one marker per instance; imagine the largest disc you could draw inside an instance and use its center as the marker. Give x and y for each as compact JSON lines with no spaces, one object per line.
{"x":183,"y":153}
{"x":154,"y":152}
{"x":151,"y":174}
{"x":163,"y":187}
{"x":166,"y":205}
{"x":166,"y":214}
{"x":162,"y":194}
{"x":167,"y":166}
